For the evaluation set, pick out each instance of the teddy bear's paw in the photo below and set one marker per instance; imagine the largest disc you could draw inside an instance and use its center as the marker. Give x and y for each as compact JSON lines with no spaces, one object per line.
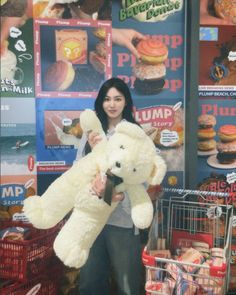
{"x":33,"y":211}
{"x":72,"y":255}
{"x":142,"y":215}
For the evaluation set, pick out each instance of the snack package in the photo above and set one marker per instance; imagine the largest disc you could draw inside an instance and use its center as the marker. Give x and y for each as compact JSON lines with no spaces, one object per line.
{"x":161,"y":287}
{"x":14,"y":233}
{"x":192,"y":256}
{"x":208,"y":283}
{"x":72,"y":46}
{"x":185,"y":286}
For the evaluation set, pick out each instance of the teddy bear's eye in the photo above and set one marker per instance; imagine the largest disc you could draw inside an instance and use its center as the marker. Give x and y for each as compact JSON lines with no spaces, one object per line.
{"x":134,"y":170}
{"x":122,"y":147}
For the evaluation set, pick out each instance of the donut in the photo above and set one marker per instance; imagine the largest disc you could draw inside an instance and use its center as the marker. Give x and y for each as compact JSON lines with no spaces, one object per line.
{"x":149,"y":78}
{"x":227,"y":133}
{"x":98,"y":62}
{"x":206,"y":145}
{"x":59,"y":76}
{"x":100,"y":33}
{"x":226,"y":9}
{"x":149,"y":72}
{"x":206,"y":133}
{"x":206,"y":121}
{"x":226,"y":152}
{"x":152,"y":51}
{"x":101,"y":49}
{"x":149,"y":87}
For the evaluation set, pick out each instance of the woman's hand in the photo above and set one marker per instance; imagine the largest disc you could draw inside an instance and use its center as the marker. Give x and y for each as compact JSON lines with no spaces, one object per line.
{"x":99,"y":185}
{"x":93,"y":139}
{"x":125,"y":37}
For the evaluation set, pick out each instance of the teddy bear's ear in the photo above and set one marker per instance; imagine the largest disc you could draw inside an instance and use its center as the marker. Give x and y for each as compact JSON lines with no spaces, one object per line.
{"x":158,"y":171}
{"x":130,"y":129}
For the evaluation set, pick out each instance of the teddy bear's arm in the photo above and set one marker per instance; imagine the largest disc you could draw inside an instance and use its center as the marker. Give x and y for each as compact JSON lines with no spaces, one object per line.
{"x":141,"y":205}
{"x":47,"y":210}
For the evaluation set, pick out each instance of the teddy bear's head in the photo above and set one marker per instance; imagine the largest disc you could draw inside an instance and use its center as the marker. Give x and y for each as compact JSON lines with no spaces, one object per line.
{"x":133,"y":157}
{"x":131,"y":153}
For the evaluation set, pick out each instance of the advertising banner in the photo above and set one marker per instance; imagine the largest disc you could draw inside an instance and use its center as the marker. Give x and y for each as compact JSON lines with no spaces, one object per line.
{"x":58,"y":132}
{"x":77,"y":61}
{"x":164,"y":123}
{"x":217,"y":145}
{"x":155,"y":68}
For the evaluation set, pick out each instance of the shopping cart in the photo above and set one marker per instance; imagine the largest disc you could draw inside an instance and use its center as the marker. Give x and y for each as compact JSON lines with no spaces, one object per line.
{"x":188,"y":250}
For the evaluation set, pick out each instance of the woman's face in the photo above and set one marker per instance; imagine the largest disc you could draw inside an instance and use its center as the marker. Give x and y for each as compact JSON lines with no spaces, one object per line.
{"x":114,"y":103}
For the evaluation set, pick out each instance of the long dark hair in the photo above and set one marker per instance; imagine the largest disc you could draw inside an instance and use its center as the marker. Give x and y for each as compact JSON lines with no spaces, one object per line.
{"x":127,"y":113}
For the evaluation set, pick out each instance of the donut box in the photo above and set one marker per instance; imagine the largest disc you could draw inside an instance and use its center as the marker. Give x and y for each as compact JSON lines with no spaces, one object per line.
{"x":72,"y":46}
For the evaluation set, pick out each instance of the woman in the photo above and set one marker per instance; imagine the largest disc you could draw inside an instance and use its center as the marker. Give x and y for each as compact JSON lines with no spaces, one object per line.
{"x":118,"y":246}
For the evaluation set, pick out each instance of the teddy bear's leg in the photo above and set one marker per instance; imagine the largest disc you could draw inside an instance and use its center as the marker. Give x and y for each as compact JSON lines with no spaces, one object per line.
{"x":141,"y":206}
{"x":73,"y":243}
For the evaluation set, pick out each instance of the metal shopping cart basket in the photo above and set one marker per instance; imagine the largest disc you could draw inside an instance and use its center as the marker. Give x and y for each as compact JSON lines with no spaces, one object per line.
{"x":188,"y":250}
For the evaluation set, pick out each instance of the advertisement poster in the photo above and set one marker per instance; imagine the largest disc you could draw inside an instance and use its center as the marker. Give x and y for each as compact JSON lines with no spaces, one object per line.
{"x":14,"y":190}
{"x":217,"y":145}
{"x":217,"y":70}
{"x":17,"y":59}
{"x":18,"y":139}
{"x":159,"y":40}
{"x":164,"y":123}
{"x":77,"y":61}
{"x":58,"y":132}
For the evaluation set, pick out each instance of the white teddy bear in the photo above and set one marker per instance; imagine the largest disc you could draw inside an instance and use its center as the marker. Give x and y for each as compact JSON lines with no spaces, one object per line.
{"x":129,"y":154}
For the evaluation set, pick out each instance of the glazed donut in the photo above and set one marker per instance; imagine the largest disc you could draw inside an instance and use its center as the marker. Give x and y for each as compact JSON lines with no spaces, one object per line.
{"x":227,"y":133}
{"x":206,"y":133}
{"x":59,"y":76}
{"x":206,"y":145}
{"x":152,"y":51}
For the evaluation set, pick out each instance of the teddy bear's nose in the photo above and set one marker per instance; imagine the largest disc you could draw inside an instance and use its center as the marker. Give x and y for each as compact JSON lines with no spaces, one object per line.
{"x":118,"y":164}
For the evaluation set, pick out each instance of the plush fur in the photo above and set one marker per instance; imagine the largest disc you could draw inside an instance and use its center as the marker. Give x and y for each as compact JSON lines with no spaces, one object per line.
{"x":129,"y":154}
